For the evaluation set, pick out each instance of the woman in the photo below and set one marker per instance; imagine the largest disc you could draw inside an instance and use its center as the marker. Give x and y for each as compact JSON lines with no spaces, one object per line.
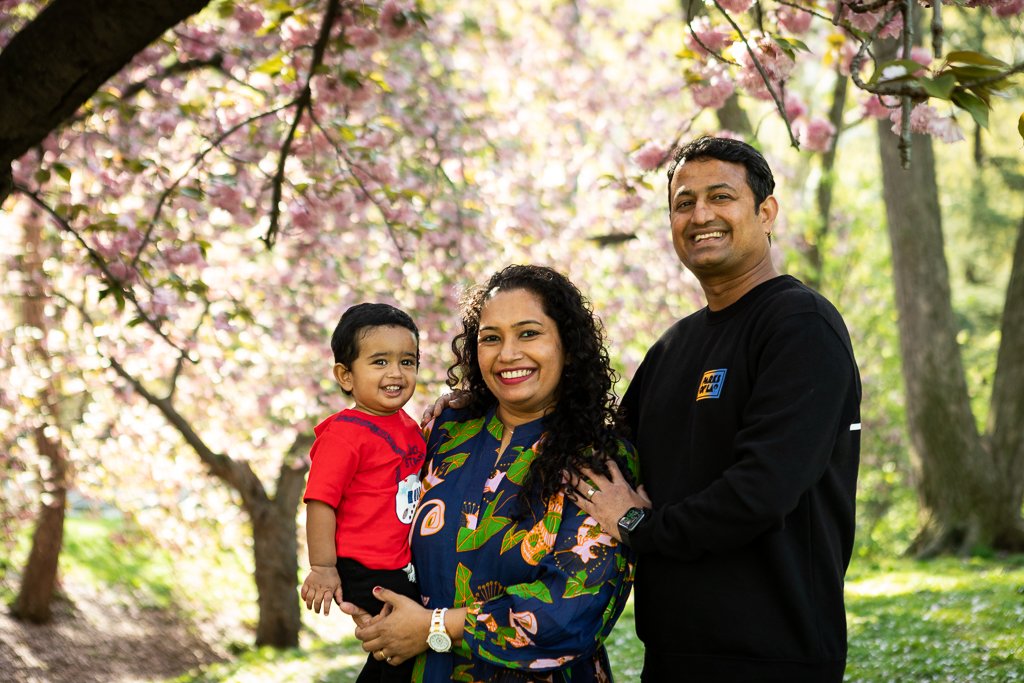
{"x":518,"y":583}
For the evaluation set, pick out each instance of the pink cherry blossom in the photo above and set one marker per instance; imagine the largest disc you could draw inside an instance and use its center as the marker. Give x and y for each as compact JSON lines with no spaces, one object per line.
{"x":122,"y":272}
{"x":737,"y":6}
{"x":705,"y":36}
{"x":925,"y":119}
{"x":715,"y":88}
{"x":867,"y":21}
{"x":875,"y":107}
{"x":629,"y":202}
{"x":1001,"y":8}
{"x":793,"y":20}
{"x":817,"y":134}
{"x":650,"y":156}
{"x":301,"y":216}
{"x":297,"y":34}
{"x":946,"y":129}
{"x":1008,"y":8}
{"x":187,"y":254}
{"x":362,"y":37}
{"x":164,"y":300}
{"x":795,"y":108}
{"x":776,"y":64}
{"x":395,"y":22}
{"x":225,"y":197}
{"x":249,"y":19}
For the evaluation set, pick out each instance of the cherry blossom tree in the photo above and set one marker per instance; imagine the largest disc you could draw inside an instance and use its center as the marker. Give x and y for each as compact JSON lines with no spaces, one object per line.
{"x":207,"y":226}
{"x":214,"y":205}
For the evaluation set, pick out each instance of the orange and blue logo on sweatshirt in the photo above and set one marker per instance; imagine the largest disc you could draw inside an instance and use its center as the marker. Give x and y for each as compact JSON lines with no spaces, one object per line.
{"x":711,"y":384}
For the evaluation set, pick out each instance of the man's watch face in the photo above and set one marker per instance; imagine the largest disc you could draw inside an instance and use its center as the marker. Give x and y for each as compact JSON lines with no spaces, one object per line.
{"x":632,"y":517}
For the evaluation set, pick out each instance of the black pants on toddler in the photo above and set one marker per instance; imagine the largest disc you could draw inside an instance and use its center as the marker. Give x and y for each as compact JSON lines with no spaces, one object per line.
{"x":357,"y":584}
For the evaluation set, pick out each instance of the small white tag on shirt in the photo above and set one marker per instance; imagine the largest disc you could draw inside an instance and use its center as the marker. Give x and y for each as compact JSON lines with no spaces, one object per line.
{"x":855,"y":427}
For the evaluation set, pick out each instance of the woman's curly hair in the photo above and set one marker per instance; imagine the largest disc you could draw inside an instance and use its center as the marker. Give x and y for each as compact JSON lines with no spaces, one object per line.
{"x":584,"y":427}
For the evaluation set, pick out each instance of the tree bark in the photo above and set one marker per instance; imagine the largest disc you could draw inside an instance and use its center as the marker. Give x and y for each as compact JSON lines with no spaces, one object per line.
{"x":732,"y":117}
{"x":39,"y":578}
{"x":276,"y":550}
{"x":1006,"y":412}
{"x":966,"y":502}
{"x":59,"y":60}
{"x":823,"y":196}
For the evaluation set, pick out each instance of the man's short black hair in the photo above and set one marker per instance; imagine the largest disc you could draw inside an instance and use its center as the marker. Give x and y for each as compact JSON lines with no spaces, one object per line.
{"x":759,"y":175}
{"x":345,"y":340}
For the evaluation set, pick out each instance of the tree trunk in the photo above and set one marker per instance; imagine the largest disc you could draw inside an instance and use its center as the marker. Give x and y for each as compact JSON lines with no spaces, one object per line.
{"x":965,"y":501}
{"x":276,"y":550}
{"x":39,"y":578}
{"x":823,"y":196}
{"x":56,"y":63}
{"x":1006,"y":412}
{"x":273,"y":519}
{"x":732,"y":117}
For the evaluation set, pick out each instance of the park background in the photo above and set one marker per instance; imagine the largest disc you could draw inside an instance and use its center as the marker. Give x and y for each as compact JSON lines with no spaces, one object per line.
{"x":194,"y":190}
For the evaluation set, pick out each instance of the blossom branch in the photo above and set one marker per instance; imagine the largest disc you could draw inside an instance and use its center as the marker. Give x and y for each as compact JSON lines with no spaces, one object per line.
{"x":367,"y":192}
{"x":100,"y":263}
{"x":302,"y":104}
{"x":179,"y":364}
{"x":165,"y":195}
{"x":764,"y":74}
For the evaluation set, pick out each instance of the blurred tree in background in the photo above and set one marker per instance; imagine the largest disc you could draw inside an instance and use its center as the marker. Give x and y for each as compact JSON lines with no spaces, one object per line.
{"x":198,"y":206}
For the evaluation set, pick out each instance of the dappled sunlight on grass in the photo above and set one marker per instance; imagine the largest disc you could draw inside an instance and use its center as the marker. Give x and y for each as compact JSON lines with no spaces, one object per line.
{"x":112,"y":553}
{"x":938,"y":621}
{"x":324,"y":663}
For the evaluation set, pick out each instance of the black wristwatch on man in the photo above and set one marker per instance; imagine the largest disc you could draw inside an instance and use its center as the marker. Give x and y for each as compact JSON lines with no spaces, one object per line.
{"x":630,"y":521}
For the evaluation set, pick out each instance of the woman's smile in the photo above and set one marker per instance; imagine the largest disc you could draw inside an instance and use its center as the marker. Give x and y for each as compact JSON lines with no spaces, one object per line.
{"x":520,"y":354}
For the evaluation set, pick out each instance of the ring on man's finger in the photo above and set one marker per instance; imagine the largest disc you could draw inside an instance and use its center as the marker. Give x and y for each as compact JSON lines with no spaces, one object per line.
{"x":590,"y":493}
{"x":388,"y":660}
{"x":380,"y":653}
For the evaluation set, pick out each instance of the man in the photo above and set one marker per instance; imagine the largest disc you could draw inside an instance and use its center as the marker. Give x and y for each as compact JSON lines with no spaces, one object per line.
{"x":746,"y":417}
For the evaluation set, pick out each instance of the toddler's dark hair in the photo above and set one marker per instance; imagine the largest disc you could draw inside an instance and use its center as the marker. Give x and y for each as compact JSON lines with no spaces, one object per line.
{"x":357,"y":319}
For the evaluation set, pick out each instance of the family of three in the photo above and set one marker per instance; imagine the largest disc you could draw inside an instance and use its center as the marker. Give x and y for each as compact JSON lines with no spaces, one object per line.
{"x":505,"y":546}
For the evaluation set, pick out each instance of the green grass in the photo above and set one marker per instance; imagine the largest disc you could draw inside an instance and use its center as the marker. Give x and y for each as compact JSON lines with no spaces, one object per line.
{"x":941,"y":621}
{"x":113,"y":554}
{"x":955,"y":621}
{"x":937,"y":621}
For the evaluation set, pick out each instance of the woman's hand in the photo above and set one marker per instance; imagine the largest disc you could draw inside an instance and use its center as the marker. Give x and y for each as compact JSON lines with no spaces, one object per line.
{"x":455,"y":399}
{"x":360,"y":616}
{"x":400,"y":631}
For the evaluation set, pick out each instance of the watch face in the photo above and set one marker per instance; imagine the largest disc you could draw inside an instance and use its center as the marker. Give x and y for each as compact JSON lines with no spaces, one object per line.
{"x":632,"y":518}
{"x":439,"y":642}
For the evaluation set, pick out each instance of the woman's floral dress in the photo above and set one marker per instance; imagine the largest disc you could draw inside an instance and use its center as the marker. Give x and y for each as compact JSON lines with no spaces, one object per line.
{"x":543,"y":589}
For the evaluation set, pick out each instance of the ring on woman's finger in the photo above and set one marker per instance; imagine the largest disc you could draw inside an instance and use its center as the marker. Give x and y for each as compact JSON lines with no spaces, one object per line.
{"x":388,"y":660}
{"x":380,"y":653}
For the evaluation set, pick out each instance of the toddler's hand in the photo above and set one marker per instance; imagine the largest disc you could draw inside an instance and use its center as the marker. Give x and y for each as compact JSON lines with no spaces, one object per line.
{"x":321,"y":587}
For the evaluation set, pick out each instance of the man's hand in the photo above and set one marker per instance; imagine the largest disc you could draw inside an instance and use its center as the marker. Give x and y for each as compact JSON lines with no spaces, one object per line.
{"x":454,"y":399}
{"x":321,"y":587}
{"x":606,"y":500}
